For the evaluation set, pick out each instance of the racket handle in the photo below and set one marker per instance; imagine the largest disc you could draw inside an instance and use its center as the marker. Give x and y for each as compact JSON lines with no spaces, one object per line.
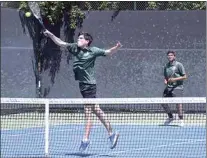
{"x":41,"y":23}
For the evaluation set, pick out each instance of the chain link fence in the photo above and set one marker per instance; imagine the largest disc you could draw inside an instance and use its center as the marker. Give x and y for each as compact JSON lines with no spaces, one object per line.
{"x":146,"y":5}
{"x":131,"y":5}
{"x":143,"y":5}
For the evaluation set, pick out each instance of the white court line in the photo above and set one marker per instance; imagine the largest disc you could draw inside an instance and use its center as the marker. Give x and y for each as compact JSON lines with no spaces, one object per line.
{"x":41,"y":132}
{"x":32,"y":133}
{"x":201,"y":156}
{"x":56,"y":126}
{"x":135,"y":49}
{"x":152,"y":147}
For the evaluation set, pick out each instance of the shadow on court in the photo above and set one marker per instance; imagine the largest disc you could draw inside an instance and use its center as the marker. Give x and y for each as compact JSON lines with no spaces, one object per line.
{"x":80,"y":154}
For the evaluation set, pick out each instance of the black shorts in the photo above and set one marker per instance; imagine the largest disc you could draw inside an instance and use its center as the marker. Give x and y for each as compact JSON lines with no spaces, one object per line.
{"x":172,"y":92}
{"x":87,"y":90}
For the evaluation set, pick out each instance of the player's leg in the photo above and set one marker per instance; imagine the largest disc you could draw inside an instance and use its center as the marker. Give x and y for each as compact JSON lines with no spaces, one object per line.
{"x":103,"y":118}
{"x":167,"y":93}
{"x":88,"y":119}
{"x":87,"y":92}
{"x":167,"y":110}
{"x":180,"y":111}
{"x":113,"y":137}
{"x":179,"y":93}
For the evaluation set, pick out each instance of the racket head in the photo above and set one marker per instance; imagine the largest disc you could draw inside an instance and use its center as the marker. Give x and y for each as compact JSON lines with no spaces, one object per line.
{"x":35,"y":9}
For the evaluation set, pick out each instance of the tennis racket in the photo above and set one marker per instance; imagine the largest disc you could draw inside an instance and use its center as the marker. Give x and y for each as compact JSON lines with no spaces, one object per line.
{"x":35,"y":9}
{"x":172,"y":72}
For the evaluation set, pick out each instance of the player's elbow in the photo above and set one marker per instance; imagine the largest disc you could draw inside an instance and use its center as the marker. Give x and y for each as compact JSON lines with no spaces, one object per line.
{"x":62,"y":44}
{"x":108,"y":52}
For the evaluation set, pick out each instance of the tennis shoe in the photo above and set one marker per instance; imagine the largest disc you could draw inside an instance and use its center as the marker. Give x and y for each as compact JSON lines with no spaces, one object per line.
{"x":168,"y":121}
{"x":180,"y":123}
{"x":113,"y":140}
{"x":84,"y":145}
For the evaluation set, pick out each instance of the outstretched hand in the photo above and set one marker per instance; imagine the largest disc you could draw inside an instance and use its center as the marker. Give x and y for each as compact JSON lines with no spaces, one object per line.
{"x":118,"y":45}
{"x":113,"y":49}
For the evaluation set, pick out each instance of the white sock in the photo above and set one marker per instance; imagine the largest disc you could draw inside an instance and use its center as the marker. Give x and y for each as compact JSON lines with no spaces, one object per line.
{"x":85,"y":139}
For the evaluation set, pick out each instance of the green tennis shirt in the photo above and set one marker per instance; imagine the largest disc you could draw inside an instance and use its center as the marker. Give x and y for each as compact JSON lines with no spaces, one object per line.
{"x":175,"y":69}
{"x":84,"y":61}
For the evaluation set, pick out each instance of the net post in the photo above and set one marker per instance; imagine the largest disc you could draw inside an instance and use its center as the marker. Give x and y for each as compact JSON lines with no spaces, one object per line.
{"x":46,"y":127}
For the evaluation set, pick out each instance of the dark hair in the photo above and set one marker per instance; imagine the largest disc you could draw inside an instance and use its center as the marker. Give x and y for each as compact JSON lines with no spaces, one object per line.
{"x":87,"y":37}
{"x":171,"y":52}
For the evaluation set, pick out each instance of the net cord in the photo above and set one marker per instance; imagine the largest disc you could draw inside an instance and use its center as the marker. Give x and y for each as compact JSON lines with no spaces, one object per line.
{"x":114,"y":101}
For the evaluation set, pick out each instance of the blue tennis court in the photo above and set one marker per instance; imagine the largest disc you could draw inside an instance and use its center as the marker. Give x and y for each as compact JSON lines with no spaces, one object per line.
{"x":140,"y":141}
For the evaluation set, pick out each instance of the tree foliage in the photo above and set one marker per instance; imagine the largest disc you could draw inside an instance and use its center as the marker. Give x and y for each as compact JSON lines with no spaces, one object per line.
{"x":54,"y":11}
{"x":177,"y":5}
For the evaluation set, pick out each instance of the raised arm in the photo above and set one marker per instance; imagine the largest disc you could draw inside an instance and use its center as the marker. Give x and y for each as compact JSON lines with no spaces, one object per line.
{"x":113,"y":49}
{"x":55,"y":39}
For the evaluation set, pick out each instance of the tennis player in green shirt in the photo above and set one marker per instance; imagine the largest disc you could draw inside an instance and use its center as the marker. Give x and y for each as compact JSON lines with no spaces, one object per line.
{"x":83,"y":67}
{"x":174,"y":75}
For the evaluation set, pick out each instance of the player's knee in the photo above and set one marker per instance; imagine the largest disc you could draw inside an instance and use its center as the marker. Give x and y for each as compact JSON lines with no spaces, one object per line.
{"x":87,"y":109}
{"x":164,"y":105}
{"x":96,"y":108}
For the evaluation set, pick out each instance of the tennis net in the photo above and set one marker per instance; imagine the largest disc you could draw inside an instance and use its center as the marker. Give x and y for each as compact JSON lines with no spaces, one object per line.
{"x":33,"y":127}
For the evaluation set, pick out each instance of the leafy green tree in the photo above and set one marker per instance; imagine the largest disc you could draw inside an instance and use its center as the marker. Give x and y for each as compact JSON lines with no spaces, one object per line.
{"x":177,"y":5}
{"x":70,"y":16}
